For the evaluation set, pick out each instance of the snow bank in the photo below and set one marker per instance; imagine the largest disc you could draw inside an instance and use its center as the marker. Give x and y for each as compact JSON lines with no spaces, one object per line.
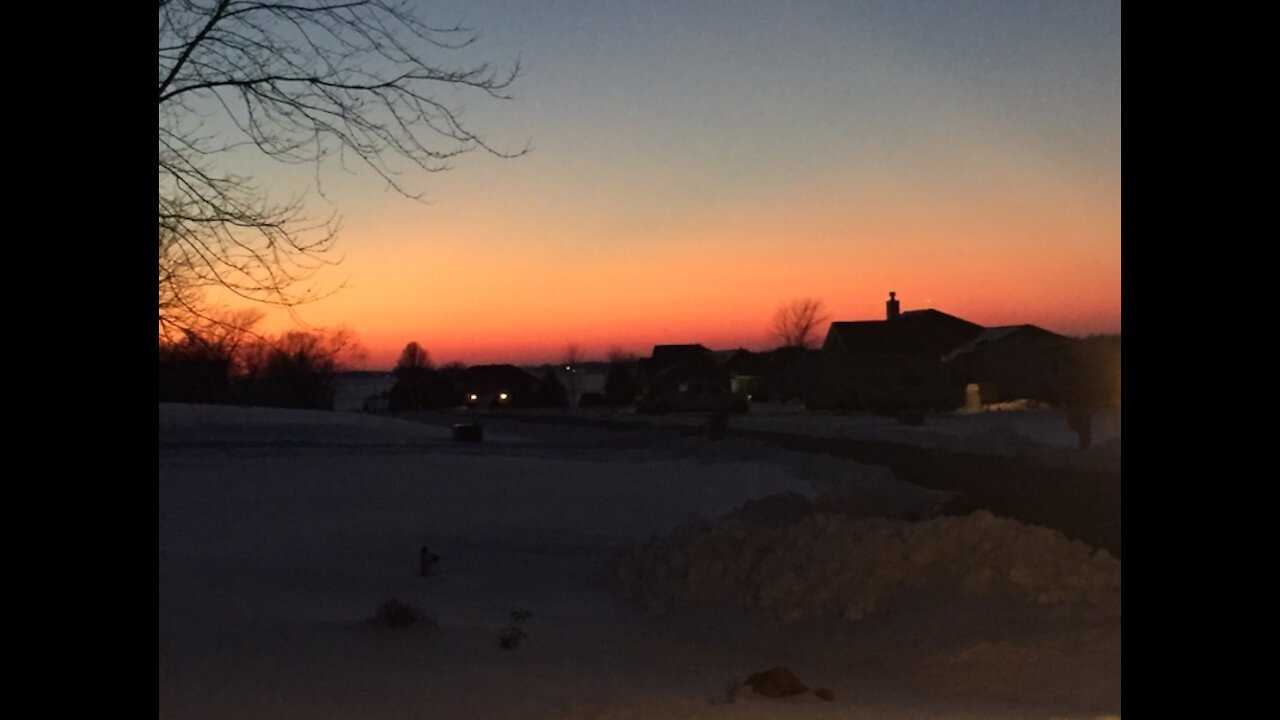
{"x":183,"y":423}
{"x":803,"y":561}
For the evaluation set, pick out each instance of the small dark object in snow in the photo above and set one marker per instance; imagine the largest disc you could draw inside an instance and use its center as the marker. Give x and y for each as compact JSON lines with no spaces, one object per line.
{"x":468,"y":432}
{"x":398,"y":614}
{"x":510,"y":637}
{"x":781,"y":682}
{"x":427,"y":562}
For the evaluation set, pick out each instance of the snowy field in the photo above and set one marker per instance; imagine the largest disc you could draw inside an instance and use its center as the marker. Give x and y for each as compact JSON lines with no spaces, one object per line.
{"x":1040,"y":436}
{"x":1008,"y":433}
{"x":281,"y":532}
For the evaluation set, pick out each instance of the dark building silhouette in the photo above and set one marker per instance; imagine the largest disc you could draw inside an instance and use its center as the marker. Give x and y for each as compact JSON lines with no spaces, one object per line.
{"x":893,"y":364}
{"x":1011,"y":363}
{"x":927,"y":359}
{"x":498,"y":386}
{"x":908,"y":363}
{"x":672,"y":366}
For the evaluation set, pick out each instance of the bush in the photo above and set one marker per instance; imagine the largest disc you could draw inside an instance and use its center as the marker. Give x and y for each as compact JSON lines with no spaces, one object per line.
{"x":620,"y":385}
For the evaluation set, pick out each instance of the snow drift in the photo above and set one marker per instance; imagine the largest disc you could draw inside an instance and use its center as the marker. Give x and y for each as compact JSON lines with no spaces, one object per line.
{"x":803,"y":561}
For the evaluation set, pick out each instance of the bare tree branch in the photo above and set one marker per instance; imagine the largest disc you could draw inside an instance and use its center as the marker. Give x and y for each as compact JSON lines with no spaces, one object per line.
{"x":298,"y":81}
{"x":797,"y":323}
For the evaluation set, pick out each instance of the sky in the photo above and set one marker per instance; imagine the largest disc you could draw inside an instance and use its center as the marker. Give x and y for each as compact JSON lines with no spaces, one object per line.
{"x":694,"y":166}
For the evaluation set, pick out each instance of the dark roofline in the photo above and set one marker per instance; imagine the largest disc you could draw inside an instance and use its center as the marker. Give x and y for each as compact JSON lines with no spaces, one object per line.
{"x":684,"y":346}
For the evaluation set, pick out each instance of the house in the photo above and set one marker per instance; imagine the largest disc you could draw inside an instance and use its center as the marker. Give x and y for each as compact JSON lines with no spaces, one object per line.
{"x":498,"y":386}
{"x":927,"y":359}
{"x":782,"y":374}
{"x":672,"y":368}
{"x":746,"y":373}
{"x":689,"y":378}
{"x":1011,"y":363}
{"x":893,"y":364}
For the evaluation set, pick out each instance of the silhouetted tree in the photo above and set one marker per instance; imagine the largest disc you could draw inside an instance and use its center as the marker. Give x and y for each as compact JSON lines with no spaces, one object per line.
{"x":551,"y":392}
{"x":1092,"y":383}
{"x":620,"y":386}
{"x":192,"y":371}
{"x":419,"y":384}
{"x":297,"y":369}
{"x":412,"y":372}
{"x":797,"y":323}
{"x":297,"y":81}
{"x":199,"y":363}
{"x":413,"y":359}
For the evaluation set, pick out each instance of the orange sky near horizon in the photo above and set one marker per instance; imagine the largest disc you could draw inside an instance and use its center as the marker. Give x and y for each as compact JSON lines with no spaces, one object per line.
{"x":692,"y":170}
{"x":467,"y":292}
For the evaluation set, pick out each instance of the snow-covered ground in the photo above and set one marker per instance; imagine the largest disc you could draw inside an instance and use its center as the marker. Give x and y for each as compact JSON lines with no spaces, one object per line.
{"x":998,"y":432}
{"x":1039,"y":435}
{"x":281,"y":532}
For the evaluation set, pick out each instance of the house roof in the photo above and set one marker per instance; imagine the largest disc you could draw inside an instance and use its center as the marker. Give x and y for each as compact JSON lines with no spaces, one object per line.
{"x":496,"y":375}
{"x":662,"y":351}
{"x":745,"y":362}
{"x":665,"y":356}
{"x":1006,"y":333}
{"x":917,"y":332}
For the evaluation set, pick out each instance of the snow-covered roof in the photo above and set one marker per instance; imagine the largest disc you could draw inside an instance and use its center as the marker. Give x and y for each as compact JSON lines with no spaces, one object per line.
{"x":996,"y":334}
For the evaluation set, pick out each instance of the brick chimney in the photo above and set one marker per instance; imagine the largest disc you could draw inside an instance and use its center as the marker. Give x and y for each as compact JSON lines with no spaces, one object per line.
{"x":891,"y":307}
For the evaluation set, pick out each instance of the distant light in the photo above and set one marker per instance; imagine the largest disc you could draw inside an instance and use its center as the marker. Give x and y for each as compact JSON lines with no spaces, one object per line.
{"x":566,"y":367}
{"x":502,"y":396}
{"x":748,"y":396}
{"x":472,"y":397}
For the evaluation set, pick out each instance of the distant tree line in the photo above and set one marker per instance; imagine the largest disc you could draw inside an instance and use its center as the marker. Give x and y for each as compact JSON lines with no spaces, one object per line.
{"x":224,"y":361}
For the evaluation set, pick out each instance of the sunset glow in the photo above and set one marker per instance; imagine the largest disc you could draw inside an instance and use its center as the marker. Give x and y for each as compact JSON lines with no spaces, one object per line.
{"x":692,"y":173}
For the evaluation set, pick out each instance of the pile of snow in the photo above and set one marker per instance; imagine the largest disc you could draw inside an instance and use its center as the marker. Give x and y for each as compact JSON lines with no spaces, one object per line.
{"x":802,"y":561}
